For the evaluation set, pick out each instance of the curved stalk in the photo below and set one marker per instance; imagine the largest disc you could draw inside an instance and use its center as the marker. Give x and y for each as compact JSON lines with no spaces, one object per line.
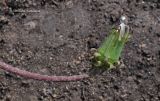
{"x":37,"y":76}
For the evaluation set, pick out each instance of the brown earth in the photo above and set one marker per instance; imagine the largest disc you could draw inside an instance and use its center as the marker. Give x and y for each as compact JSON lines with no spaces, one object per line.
{"x":55,"y":37}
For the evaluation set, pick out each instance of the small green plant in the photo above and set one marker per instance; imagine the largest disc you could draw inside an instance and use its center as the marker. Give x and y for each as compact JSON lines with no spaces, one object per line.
{"x":109,"y":52}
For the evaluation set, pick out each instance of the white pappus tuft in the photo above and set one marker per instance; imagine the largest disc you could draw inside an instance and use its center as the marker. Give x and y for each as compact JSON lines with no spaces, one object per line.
{"x":123,"y":27}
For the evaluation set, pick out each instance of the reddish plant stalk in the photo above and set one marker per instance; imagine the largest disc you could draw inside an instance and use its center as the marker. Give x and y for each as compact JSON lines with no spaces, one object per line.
{"x":37,"y":76}
{"x":4,"y":3}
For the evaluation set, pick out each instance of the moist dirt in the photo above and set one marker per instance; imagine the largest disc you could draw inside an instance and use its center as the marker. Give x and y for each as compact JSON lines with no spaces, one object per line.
{"x":56,"y":37}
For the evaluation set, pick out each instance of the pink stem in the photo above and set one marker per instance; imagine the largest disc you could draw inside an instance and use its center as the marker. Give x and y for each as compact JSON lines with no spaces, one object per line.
{"x":4,"y":3}
{"x":37,"y":76}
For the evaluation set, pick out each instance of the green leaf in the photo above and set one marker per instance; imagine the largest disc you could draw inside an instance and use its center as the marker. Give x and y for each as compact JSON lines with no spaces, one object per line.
{"x":110,"y":51}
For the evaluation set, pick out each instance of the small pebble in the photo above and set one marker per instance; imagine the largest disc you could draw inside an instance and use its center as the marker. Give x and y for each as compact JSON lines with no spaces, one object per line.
{"x":142,"y":45}
{"x":30,"y":25}
{"x":54,"y":95}
{"x":3,"y":21}
{"x":25,"y":84}
{"x":69,"y":4}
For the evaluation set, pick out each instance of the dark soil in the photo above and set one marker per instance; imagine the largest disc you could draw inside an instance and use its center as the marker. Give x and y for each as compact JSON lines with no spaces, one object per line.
{"x":55,"y":37}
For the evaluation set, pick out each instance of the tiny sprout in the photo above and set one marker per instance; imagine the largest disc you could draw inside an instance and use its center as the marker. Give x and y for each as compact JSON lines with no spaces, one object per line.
{"x":109,"y":52}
